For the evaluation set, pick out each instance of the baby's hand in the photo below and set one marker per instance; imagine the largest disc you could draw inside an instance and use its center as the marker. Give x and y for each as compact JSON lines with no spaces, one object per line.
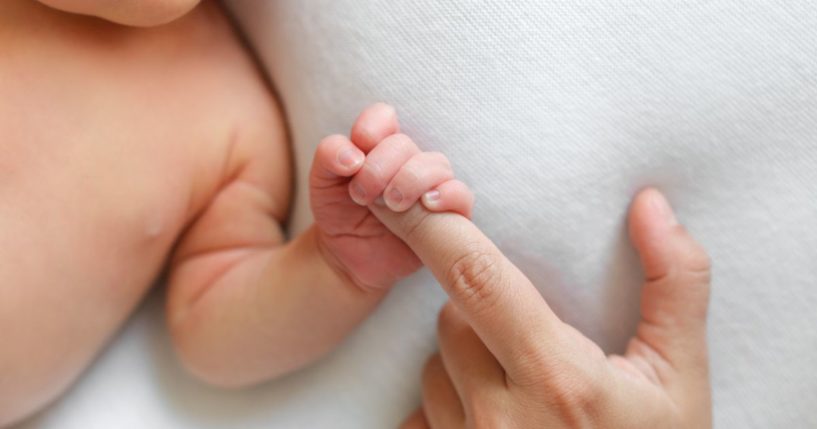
{"x":377,"y":166}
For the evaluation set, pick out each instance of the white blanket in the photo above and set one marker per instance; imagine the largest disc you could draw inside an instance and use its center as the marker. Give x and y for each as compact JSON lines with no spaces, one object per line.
{"x":555,"y":112}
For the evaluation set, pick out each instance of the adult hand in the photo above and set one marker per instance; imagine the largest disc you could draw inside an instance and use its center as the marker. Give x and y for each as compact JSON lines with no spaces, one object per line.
{"x":506,"y":360}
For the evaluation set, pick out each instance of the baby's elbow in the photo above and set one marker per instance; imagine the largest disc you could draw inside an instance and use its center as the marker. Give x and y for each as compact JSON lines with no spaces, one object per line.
{"x":138,"y":13}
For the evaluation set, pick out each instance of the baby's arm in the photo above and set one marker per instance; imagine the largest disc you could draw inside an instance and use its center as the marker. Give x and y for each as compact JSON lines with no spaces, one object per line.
{"x":245,"y":307}
{"x":142,"y":13}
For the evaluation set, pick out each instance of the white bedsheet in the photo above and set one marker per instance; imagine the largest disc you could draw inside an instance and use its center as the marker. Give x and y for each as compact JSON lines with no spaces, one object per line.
{"x":555,"y":112}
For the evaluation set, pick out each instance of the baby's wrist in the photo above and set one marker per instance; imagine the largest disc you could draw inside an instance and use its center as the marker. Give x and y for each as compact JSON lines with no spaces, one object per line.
{"x":341,"y":273}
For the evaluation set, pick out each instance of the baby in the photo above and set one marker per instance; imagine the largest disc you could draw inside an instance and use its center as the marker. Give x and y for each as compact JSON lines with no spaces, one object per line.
{"x":129,"y":151}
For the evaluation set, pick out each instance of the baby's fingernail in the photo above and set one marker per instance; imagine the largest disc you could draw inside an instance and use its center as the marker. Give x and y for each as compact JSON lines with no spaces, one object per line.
{"x":395,"y":197}
{"x":431,"y":199}
{"x":350,"y":157}
{"x":662,"y":207}
{"x":358,"y":194}
{"x":379,"y":201}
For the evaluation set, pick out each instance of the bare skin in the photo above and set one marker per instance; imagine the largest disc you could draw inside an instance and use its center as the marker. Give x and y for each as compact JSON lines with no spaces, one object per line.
{"x":98,"y":179}
{"x":507,"y":361}
{"x":128,"y":151}
{"x":249,"y":310}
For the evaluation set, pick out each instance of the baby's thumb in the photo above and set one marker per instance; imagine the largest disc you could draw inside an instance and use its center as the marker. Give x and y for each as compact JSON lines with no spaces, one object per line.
{"x":675,"y":295}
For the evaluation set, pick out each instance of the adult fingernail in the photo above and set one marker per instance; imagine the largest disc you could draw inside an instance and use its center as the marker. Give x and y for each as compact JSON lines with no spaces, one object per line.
{"x":394,"y":198}
{"x":350,"y":157}
{"x":431,"y":199}
{"x":662,"y":207}
{"x":358,"y":194}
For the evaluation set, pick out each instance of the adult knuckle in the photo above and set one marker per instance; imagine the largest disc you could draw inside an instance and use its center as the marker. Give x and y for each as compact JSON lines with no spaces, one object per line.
{"x":575,"y":396}
{"x":534,"y":364}
{"x":474,"y":276}
{"x":483,"y":412}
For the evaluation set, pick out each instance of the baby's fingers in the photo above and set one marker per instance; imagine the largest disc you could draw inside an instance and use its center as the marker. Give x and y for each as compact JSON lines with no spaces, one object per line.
{"x":382,"y":163}
{"x":423,"y":172}
{"x":450,"y":196}
{"x":336,"y":159}
{"x":374,"y":124}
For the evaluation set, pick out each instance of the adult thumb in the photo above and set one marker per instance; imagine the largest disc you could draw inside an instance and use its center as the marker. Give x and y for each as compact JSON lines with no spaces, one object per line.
{"x":675,"y":295}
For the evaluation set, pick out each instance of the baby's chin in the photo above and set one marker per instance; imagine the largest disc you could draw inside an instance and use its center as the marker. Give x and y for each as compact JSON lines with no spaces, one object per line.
{"x":137,"y":13}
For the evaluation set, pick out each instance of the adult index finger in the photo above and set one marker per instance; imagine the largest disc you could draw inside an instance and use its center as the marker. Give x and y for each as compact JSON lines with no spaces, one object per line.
{"x":497,"y":300}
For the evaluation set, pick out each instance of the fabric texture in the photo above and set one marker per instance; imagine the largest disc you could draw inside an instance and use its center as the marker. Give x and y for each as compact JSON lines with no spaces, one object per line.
{"x":555,"y":113}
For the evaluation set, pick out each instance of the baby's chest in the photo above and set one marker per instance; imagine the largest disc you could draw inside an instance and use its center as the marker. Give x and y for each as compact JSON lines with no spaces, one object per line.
{"x":88,"y":209}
